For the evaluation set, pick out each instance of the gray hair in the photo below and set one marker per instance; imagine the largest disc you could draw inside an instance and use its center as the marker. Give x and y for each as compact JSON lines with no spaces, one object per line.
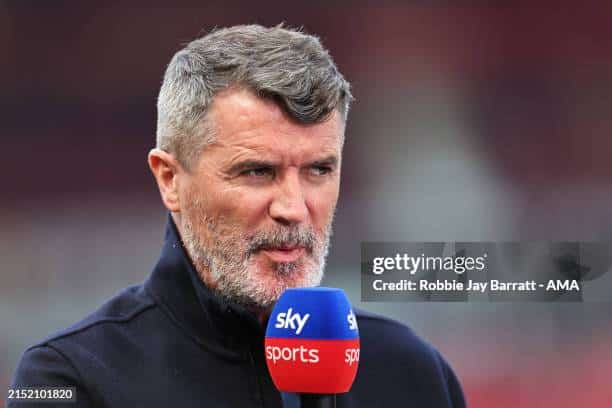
{"x":288,"y":66}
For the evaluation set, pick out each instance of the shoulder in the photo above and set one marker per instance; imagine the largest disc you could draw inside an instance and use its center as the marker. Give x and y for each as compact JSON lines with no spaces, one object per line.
{"x":119,"y":311}
{"x":68,"y":357}
{"x":390,"y":348}
{"x":113,"y":320}
{"x":386,"y":336}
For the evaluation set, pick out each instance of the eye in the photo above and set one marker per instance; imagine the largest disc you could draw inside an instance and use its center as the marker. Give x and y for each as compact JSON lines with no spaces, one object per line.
{"x":320,"y":170}
{"x":259,"y":172}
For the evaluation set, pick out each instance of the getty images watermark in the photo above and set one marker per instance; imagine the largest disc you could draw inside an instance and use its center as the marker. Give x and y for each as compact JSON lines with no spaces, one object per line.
{"x":486,"y":271}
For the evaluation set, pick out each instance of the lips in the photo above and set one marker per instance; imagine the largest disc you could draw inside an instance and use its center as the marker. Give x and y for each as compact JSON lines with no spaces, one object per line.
{"x":283,"y":254}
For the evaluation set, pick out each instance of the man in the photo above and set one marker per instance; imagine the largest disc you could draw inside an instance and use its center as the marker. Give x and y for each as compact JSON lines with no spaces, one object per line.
{"x":250,"y":131}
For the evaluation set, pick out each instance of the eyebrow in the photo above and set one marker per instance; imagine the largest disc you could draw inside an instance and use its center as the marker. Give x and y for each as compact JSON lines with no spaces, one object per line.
{"x":239,"y":167}
{"x":331,"y":161}
{"x":249,"y":165}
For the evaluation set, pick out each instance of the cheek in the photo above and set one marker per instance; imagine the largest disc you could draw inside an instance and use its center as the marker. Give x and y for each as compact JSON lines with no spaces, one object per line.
{"x":322,"y":204}
{"x":242,"y":206}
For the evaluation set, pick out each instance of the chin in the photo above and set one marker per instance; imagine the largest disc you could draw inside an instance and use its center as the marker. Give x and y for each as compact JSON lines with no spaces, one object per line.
{"x":274,"y":279}
{"x":285,"y":274}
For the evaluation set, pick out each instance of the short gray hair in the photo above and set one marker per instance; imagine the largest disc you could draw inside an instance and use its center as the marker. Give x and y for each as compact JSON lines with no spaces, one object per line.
{"x":288,"y":66}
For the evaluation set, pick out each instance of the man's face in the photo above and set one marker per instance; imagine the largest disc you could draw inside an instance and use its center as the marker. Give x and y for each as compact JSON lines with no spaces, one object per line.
{"x":257,"y":207}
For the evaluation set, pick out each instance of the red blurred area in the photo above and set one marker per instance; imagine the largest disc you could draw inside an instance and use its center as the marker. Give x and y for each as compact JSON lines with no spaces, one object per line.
{"x":577,"y":376}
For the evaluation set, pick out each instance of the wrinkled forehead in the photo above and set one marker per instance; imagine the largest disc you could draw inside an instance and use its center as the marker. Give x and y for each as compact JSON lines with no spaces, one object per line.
{"x":241,"y":119}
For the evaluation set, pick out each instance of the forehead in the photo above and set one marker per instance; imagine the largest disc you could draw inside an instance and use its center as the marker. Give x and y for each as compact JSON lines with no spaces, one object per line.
{"x":240,"y":119}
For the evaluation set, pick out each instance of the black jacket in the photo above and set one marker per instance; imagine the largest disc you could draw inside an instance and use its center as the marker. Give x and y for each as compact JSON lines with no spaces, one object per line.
{"x":171,"y":343}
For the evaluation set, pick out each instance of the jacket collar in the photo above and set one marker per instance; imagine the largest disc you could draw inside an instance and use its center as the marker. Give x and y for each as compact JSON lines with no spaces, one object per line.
{"x":220,"y":326}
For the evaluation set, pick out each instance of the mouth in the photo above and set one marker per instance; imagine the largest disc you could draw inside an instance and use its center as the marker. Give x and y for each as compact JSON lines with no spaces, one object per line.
{"x":281,"y":254}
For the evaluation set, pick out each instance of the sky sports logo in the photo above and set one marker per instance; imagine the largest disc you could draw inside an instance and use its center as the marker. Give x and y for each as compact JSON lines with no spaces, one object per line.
{"x":308,"y":350}
{"x":312,"y":341}
{"x":296,"y":322}
{"x":301,"y":354}
{"x":306,"y":355}
{"x":291,"y":320}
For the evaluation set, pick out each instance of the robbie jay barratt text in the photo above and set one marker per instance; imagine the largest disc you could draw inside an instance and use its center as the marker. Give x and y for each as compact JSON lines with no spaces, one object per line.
{"x":493,"y":285}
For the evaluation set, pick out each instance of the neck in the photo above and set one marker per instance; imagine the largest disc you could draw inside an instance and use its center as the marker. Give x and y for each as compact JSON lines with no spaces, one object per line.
{"x":262,"y":314}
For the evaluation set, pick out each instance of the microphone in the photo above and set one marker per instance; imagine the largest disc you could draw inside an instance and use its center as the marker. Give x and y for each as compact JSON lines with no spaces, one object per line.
{"x":312,"y":344}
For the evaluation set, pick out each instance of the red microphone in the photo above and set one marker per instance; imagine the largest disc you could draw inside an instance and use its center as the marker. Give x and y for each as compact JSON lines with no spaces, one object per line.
{"x":312,"y":345}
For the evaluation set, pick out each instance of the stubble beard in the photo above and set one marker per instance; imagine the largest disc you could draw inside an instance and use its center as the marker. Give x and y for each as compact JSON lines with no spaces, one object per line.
{"x":222,"y":254}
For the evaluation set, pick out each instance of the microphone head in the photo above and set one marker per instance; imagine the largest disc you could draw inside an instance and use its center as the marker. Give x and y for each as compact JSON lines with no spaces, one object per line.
{"x":312,"y":341}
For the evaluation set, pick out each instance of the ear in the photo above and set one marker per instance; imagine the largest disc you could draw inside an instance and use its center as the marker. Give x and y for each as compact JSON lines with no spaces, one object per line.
{"x":165,"y":169}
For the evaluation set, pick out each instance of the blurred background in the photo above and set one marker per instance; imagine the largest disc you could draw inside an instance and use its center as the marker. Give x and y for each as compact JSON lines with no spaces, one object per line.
{"x":472,"y":122}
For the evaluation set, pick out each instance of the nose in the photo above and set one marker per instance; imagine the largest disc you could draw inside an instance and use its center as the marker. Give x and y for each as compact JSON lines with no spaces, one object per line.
{"x":288,"y":205}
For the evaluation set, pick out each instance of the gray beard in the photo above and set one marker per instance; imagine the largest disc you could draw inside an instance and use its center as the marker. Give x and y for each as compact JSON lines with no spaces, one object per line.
{"x":226,"y":265}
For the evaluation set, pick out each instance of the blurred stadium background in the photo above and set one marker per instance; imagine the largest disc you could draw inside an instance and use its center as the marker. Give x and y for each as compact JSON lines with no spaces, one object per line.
{"x":472,"y":122}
